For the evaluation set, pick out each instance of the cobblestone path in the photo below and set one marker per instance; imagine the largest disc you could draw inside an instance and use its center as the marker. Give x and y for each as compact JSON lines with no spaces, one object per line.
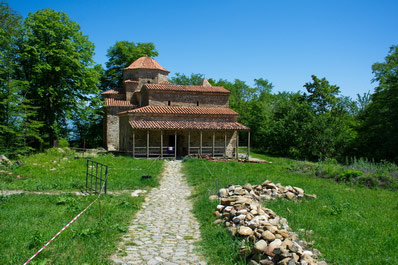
{"x":164,"y":230}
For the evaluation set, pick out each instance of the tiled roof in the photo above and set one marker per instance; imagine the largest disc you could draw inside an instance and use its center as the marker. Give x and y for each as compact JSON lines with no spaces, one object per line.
{"x":111,"y":92}
{"x":183,"y":110}
{"x":118,"y":103}
{"x":146,"y":63}
{"x":186,"y":125}
{"x":171,"y":87}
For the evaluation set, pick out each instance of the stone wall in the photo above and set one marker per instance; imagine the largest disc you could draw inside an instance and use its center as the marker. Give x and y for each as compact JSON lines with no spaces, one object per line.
{"x":111,"y":123}
{"x":162,"y":98}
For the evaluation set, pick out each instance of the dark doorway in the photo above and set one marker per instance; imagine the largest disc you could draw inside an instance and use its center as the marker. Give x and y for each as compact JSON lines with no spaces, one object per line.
{"x":171,"y":140}
{"x":181,"y":149}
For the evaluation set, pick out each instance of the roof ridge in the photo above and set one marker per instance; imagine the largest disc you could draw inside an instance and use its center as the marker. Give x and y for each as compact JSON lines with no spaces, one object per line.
{"x":146,"y":62}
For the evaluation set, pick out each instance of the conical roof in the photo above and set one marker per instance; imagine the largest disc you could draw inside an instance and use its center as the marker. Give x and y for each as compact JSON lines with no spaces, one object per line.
{"x":146,"y":63}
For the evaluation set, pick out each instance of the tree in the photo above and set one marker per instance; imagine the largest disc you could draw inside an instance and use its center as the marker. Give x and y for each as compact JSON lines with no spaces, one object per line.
{"x":121,"y":55}
{"x":17,"y":129}
{"x":322,"y":95}
{"x":378,"y":132}
{"x":56,"y":62}
{"x":182,"y":79}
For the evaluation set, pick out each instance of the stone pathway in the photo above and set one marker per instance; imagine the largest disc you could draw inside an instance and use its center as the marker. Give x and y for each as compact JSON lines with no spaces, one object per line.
{"x":164,"y":230}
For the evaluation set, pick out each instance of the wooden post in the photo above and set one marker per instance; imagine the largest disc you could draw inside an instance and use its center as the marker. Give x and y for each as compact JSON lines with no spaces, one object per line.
{"x":200,"y":147}
{"x":189,"y":142}
{"x":161,"y":144}
{"x":237,"y":144}
{"x":248,"y":145}
{"x":175,"y":145}
{"x":133,"y":143}
{"x":225,"y":144}
{"x":214,"y":143}
{"x":147,"y":144}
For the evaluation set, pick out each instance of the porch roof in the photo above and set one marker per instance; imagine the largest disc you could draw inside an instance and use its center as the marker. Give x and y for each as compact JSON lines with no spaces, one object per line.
{"x":186,"y":125}
{"x":182,"y":110}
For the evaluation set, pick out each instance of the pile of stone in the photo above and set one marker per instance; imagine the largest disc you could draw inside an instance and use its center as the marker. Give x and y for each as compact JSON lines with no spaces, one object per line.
{"x":272,"y":240}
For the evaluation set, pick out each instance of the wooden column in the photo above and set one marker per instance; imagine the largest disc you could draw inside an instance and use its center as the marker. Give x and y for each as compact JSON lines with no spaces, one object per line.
{"x":214,"y":143}
{"x":189,"y":142}
{"x":237,"y":144}
{"x":161,"y":144}
{"x":147,"y":143}
{"x":133,"y":143}
{"x":225,"y":144}
{"x":200,"y":146}
{"x":175,"y":145}
{"x":248,"y":145}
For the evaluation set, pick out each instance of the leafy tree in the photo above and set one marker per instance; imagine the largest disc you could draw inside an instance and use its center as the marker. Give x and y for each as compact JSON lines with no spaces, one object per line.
{"x":56,"y":61}
{"x":17,"y":129}
{"x":322,"y":95}
{"x":378,"y":132}
{"x":121,"y":55}
{"x":182,"y":79}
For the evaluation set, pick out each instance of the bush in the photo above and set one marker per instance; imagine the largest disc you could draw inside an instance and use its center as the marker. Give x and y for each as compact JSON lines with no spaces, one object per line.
{"x":62,"y":143}
{"x":349,"y":175}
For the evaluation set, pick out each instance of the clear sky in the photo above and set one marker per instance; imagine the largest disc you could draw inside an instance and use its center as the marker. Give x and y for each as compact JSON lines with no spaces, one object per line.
{"x":282,"y":41}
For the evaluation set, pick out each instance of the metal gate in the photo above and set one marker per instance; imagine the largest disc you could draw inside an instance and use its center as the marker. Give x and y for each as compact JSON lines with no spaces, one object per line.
{"x":96,"y":176}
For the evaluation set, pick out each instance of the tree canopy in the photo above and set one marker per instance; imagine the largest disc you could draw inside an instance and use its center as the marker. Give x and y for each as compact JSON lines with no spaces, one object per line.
{"x":378,"y":132}
{"x":56,"y":63}
{"x":121,"y":55}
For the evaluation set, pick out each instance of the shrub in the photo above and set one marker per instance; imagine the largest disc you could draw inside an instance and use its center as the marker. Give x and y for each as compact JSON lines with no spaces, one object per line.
{"x":349,"y":175}
{"x":62,"y":143}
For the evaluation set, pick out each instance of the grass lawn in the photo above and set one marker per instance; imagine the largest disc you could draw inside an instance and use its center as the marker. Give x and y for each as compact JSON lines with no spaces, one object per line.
{"x":55,"y":170}
{"x":351,"y":224}
{"x":27,"y":222}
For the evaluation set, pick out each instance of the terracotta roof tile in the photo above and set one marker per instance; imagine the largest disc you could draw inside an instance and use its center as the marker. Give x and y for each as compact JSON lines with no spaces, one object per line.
{"x":186,"y":125}
{"x":111,"y":92}
{"x":183,"y":110}
{"x":171,"y":87}
{"x":146,"y":63}
{"x":111,"y":102}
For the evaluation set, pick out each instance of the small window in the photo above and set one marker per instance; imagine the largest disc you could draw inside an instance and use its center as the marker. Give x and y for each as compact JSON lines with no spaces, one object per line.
{"x":197,"y":103}
{"x":169,"y":103}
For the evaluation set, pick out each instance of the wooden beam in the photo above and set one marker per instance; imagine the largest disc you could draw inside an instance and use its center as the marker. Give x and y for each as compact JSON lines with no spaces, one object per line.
{"x":214,"y":143}
{"x":147,"y":143}
{"x":200,"y":147}
{"x":175,"y":145}
{"x":248,"y":145}
{"x":225,"y":144}
{"x":161,"y":144}
{"x":133,"y":143}
{"x":189,"y":142}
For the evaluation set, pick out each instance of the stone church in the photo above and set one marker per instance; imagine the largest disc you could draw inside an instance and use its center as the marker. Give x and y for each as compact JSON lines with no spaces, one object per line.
{"x":151,"y":117}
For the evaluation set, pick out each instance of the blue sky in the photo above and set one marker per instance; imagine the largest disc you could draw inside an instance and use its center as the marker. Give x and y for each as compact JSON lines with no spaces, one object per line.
{"x":282,"y":41}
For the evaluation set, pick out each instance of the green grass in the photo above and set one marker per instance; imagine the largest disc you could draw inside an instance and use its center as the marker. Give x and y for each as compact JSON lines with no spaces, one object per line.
{"x":27,"y":222}
{"x":57,"y":169}
{"x":351,"y":224}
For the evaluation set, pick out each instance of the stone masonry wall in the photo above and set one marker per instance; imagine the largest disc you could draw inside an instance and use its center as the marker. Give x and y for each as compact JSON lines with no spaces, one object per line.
{"x":112,"y":127}
{"x":187,"y":99}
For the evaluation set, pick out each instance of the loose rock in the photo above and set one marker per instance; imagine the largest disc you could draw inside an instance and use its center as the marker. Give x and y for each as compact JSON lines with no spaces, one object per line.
{"x":273,"y":241}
